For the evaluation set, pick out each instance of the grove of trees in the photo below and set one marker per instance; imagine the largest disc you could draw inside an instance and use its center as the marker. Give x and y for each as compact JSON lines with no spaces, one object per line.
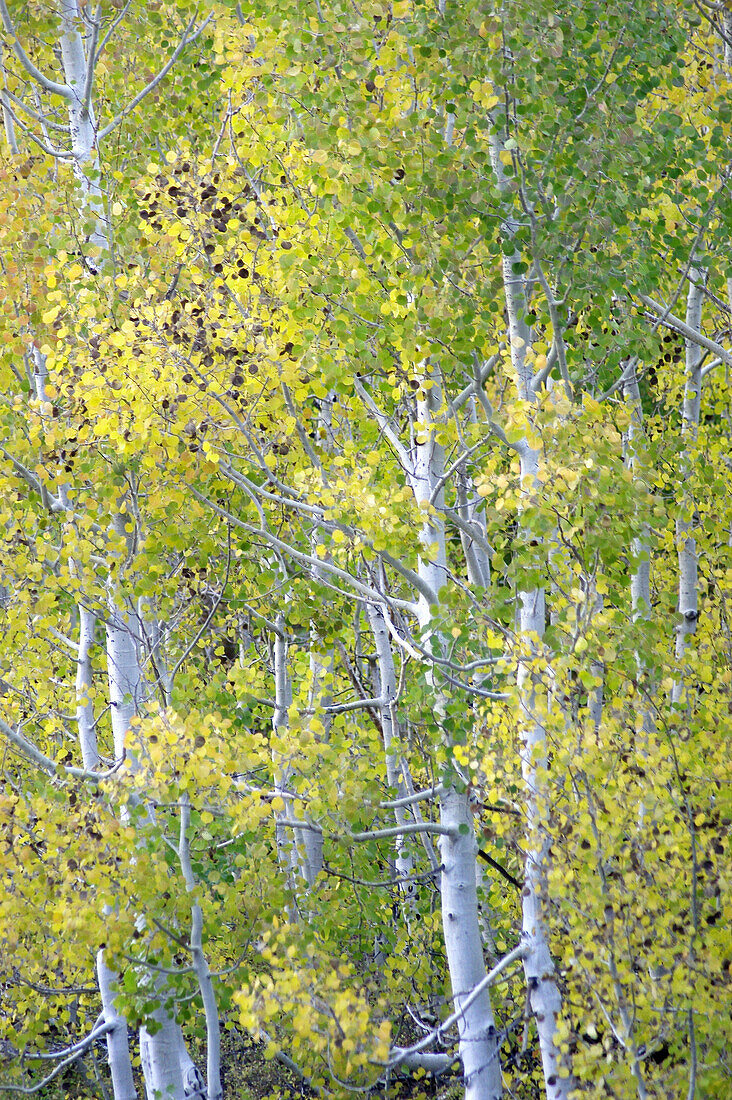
{"x":365,"y":576}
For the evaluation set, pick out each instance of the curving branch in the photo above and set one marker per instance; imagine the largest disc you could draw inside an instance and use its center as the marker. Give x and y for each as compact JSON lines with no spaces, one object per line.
{"x":91,"y":61}
{"x":62,"y":771}
{"x":186,"y":40}
{"x":58,"y":154}
{"x":401,"y":1054}
{"x":72,"y":1054}
{"x":692,"y":334}
{"x":308,"y":559}
{"x":110,"y":30}
{"x":33,"y":71}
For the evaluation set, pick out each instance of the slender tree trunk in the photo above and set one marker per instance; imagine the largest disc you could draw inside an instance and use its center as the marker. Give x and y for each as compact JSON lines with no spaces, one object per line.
{"x":300,"y":850}
{"x":167,"y":1066}
{"x":82,"y":125}
{"x":164,"y":1053}
{"x":543,"y":992}
{"x":640,"y":581}
{"x":201,"y":968}
{"x":478,"y":1039}
{"x":686,"y":543}
{"x":118,"y":1049}
{"x":285,"y":835}
{"x":387,"y":692}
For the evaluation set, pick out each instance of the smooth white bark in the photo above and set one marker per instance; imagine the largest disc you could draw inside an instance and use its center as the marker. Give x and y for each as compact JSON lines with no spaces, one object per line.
{"x":118,"y":1049}
{"x":640,"y":581}
{"x":688,"y":605}
{"x":478,"y":1039}
{"x":159,"y":1058}
{"x":479,"y":1043}
{"x":201,"y":968}
{"x":387,"y":692}
{"x":84,"y":705}
{"x":123,"y":674}
{"x":543,"y":992}
{"x":79,"y":74}
{"x":300,"y":849}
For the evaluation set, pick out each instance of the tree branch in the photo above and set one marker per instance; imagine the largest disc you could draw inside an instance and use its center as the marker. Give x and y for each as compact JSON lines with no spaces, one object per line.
{"x":308,"y":559}
{"x":400,"y":1054}
{"x":79,"y":1048}
{"x":186,"y":40}
{"x":91,"y":60}
{"x":46,"y":763}
{"x":48,"y":85}
{"x":677,"y":325}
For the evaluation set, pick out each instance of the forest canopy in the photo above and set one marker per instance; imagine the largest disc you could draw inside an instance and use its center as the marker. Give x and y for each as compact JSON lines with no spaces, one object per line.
{"x":365,"y":577}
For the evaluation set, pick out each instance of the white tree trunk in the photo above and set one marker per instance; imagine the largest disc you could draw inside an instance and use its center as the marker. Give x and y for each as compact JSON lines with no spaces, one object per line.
{"x":82,"y":126}
{"x":387,"y":692}
{"x":685,"y":541}
{"x":203,"y":975}
{"x":300,"y":850}
{"x":118,"y":1048}
{"x":479,"y":1044}
{"x":640,"y":581}
{"x":167,"y":1067}
{"x":543,"y":992}
{"x":84,"y":706}
{"x":164,"y":1054}
{"x":159,"y":1055}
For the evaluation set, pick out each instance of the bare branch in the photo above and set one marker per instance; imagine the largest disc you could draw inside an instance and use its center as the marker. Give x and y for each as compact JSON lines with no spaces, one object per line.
{"x":383,"y":422}
{"x":400,"y":1054}
{"x":481,"y":376}
{"x":75,"y":1051}
{"x":186,"y":40}
{"x":112,"y":28}
{"x":308,"y":559}
{"x":556,"y":327}
{"x":710,"y":367}
{"x":677,"y":325}
{"x":36,"y":115}
{"x":410,"y":799}
{"x":46,"y":763}
{"x":58,"y":154}
{"x":91,"y":60}
{"x":374,"y":834}
{"x":40,"y":78}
